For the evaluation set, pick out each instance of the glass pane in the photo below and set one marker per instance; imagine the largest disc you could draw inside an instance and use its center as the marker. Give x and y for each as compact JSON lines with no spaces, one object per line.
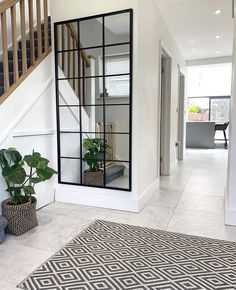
{"x":117,"y":60}
{"x":68,"y":92}
{"x":66,"y":62}
{"x":117,"y":87}
{"x":119,"y":146}
{"x":91,"y":32}
{"x":117,"y":175}
{"x":65,"y":40}
{"x":70,"y":170}
{"x":93,"y":144}
{"x":117,"y":28}
{"x":198,"y":109}
{"x":220,"y":109}
{"x":118,"y":117}
{"x":91,"y":91}
{"x":93,"y":156}
{"x":69,"y":119}
{"x":70,"y":145}
{"x":92,"y":62}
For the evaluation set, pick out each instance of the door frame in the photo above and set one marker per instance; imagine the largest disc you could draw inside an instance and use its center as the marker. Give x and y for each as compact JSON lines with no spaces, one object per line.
{"x":164,"y":111}
{"x":181,"y":115}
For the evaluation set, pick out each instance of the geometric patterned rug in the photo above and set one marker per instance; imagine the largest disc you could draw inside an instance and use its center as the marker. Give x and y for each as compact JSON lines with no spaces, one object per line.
{"x":113,"y":256}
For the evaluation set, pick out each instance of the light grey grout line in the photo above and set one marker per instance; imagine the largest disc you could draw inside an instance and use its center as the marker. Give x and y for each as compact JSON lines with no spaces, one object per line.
{"x":182,"y":191}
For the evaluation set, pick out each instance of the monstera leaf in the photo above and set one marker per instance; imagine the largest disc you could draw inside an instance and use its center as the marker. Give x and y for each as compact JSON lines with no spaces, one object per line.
{"x":14,"y":174}
{"x":36,"y":161}
{"x":21,"y":180}
{"x":46,"y":173}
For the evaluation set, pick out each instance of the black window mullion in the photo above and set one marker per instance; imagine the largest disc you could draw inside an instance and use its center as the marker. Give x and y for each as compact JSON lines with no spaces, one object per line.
{"x":130,"y":97}
{"x":80,"y":109}
{"x":57,"y":106}
{"x":103,"y":96}
{"x":95,"y":47}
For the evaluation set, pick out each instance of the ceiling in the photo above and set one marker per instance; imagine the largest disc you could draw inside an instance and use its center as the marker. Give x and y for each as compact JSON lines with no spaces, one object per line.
{"x":194,"y":26}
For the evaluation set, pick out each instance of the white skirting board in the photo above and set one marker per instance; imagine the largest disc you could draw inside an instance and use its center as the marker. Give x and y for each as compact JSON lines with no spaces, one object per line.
{"x":104,"y":198}
{"x":230,"y":217}
{"x":97,"y":197}
{"x":148,"y":193}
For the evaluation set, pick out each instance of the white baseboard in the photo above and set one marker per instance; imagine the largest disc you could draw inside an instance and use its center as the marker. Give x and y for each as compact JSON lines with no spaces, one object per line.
{"x":230,"y":217}
{"x":147,"y":194}
{"x":97,"y":197}
{"x":230,"y":213}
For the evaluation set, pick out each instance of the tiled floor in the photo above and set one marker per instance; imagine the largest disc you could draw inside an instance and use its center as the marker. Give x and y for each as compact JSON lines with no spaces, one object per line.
{"x":190,"y":201}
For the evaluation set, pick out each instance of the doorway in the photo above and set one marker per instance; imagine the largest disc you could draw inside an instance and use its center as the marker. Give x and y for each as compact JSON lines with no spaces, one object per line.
{"x":165,"y":112}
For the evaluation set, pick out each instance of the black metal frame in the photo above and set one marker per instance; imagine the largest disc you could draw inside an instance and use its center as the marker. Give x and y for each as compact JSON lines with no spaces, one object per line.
{"x":104,"y":105}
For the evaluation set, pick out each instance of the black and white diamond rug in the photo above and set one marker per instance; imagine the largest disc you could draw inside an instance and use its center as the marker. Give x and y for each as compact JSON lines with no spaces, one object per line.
{"x":112,"y":256}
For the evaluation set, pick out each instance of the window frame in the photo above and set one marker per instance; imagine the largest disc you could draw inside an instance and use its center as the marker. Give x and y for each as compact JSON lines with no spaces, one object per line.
{"x":210,"y":98}
{"x":103,"y":77}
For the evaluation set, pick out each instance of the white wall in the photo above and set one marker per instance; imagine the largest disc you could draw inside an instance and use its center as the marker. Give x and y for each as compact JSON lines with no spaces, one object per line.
{"x":230,"y":197}
{"x":152,"y":30}
{"x":149,"y":30}
{"x":27,"y":122}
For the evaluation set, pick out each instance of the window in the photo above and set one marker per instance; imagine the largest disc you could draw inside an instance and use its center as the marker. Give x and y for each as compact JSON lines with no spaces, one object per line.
{"x":215,"y":109}
{"x":198,"y":109}
{"x":116,"y":66}
{"x":220,"y":110}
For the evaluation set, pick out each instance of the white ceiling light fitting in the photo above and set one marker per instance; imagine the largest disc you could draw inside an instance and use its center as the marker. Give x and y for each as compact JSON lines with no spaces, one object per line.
{"x":217,"y":36}
{"x":218,"y":12}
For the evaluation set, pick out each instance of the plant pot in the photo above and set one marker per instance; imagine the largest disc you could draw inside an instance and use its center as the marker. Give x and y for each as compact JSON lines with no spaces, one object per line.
{"x":93,"y":178}
{"x":21,"y":218}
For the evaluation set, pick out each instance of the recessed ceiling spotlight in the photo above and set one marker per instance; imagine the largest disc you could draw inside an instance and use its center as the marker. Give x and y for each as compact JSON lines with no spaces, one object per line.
{"x":217,"y":51}
{"x":218,"y":12}
{"x":217,"y":36}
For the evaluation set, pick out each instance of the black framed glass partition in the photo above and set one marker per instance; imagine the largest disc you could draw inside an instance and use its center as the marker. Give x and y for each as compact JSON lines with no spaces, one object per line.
{"x":93,"y":67}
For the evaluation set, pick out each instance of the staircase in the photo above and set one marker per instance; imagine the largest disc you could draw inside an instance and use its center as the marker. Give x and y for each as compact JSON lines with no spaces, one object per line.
{"x":19,"y":52}
{"x":114,"y":172}
{"x":27,"y":50}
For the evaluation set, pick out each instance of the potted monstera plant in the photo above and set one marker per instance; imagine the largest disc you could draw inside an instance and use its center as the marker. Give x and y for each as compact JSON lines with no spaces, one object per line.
{"x":21,"y":175}
{"x":95,"y":149}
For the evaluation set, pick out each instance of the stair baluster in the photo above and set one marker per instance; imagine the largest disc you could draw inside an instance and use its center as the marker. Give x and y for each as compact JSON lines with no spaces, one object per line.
{"x":20,"y":57}
{"x":69,"y":62}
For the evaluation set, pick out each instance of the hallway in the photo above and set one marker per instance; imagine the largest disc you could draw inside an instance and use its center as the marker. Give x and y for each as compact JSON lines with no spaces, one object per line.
{"x":195,"y":192}
{"x":191,"y":201}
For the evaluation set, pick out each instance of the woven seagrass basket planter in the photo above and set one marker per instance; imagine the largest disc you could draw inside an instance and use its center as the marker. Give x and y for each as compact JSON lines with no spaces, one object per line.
{"x":93,"y":178}
{"x":21,"y":218}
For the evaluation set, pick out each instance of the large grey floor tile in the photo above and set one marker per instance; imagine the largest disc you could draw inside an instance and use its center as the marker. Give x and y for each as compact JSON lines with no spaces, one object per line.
{"x":163,"y":197}
{"x":76,"y":211}
{"x":201,"y":223}
{"x":17,"y":262}
{"x":52,"y":233}
{"x":156,"y":217}
{"x":201,"y":202}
